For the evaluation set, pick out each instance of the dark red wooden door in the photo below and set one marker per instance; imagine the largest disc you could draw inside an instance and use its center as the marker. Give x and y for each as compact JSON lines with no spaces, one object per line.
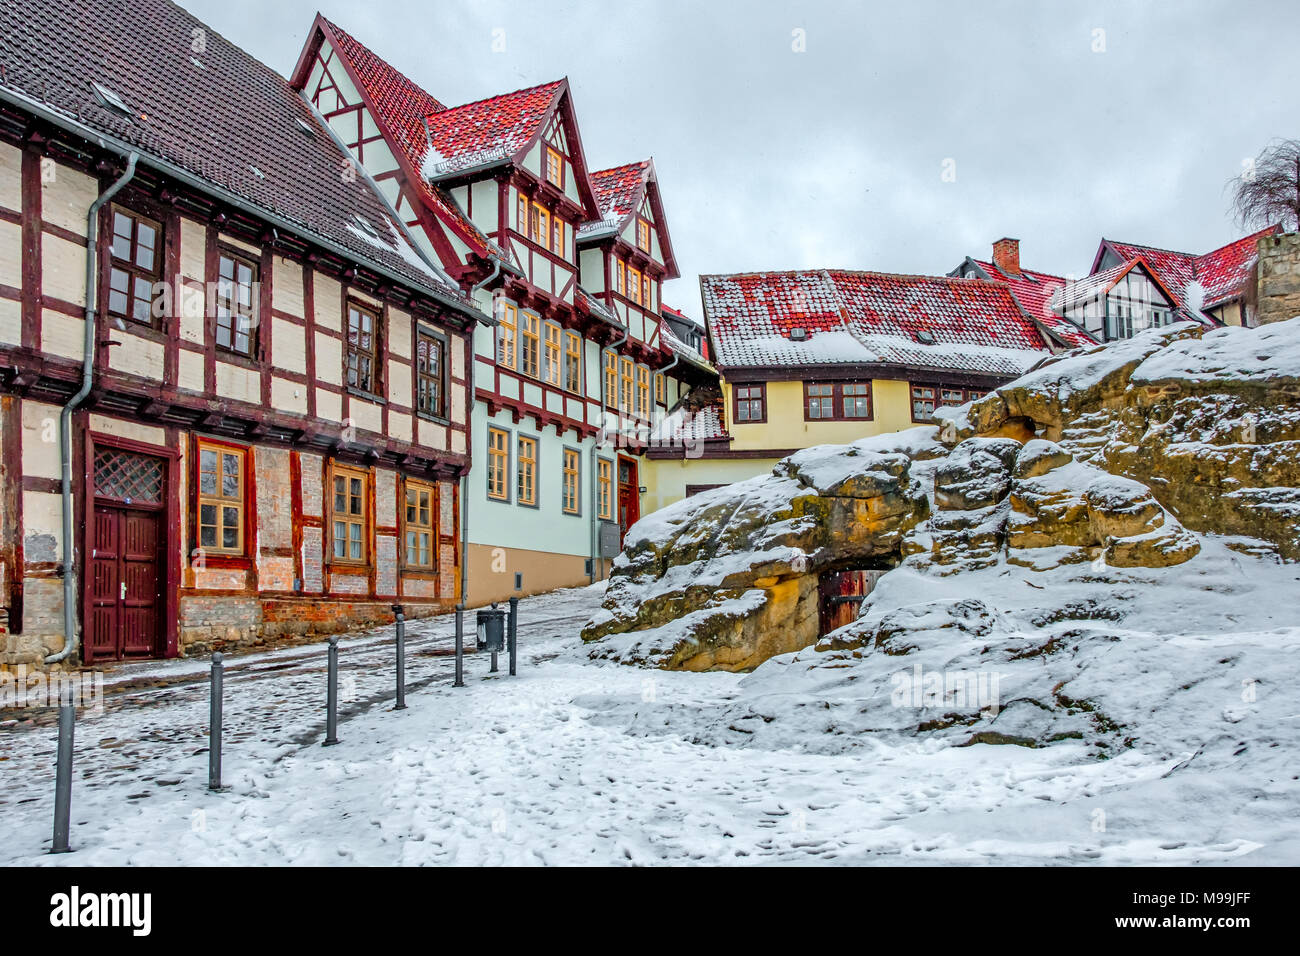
{"x":841,"y":594}
{"x":629,"y":497}
{"x":125,"y":598}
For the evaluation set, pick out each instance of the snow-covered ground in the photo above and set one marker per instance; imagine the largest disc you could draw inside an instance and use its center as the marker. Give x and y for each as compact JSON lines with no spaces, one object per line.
{"x":578,"y":761}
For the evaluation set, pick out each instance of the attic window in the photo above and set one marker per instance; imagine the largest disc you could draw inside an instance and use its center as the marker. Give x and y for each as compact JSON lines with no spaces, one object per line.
{"x":925,"y":337}
{"x":107,"y":98}
{"x":306,"y":127}
{"x":798,"y":335}
{"x":365,"y":225}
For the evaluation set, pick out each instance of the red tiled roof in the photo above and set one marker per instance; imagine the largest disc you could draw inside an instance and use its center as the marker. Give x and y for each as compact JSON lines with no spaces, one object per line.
{"x":869,"y":318}
{"x":1224,"y":272}
{"x":1034,"y":292}
{"x":617,"y":191}
{"x":1220,"y":273}
{"x":498,"y":125}
{"x":486,"y":130}
{"x":1033,"y":289}
{"x":221,"y":115}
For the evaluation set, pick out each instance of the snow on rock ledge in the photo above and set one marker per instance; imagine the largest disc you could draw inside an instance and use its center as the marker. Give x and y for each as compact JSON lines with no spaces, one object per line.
{"x":1106,"y":455}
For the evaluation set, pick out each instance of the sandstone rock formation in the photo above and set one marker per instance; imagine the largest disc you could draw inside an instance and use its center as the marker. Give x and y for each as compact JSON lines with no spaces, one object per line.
{"x":1106,"y":455}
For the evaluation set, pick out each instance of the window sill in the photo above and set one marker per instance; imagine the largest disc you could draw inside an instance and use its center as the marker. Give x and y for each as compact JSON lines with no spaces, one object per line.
{"x":131,"y":326}
{"x":211,"y":559}
{"x":436,"y":419}
{"x":364,"y":395}
{"x":238,"y":358}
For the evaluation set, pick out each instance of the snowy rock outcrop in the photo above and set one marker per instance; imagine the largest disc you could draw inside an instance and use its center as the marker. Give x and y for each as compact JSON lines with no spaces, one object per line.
{"x":728,"y":578}
{"x":1103,"y":457}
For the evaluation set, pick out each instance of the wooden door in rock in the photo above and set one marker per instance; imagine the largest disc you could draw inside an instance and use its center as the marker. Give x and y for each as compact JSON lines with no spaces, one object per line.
{"x":629,"y":497}
{"x":124,"y":606}
{"x":841,"y":594}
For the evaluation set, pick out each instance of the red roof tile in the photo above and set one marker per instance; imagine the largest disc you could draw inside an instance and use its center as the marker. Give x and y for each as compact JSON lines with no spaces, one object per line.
{"x":220,"y":115}
{"x":970,"y":325}
{"x":1034,"y":291}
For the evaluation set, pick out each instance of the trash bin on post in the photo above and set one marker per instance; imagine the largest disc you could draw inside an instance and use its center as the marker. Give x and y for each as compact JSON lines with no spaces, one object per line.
{"x":492,"y":632}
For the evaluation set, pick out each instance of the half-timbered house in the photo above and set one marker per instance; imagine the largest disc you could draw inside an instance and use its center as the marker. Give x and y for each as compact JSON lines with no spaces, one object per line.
{"x":568,"y":261}
{"x":1212,"y":288}
{"x":234,"y":393}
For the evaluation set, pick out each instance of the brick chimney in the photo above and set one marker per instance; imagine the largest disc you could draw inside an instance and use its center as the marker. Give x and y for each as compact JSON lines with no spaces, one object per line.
{"x":1278,"y":295}
{"x":1006,"y":256}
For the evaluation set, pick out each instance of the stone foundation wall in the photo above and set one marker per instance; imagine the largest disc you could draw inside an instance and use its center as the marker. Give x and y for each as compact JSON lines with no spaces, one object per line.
{"x":240,"y":624}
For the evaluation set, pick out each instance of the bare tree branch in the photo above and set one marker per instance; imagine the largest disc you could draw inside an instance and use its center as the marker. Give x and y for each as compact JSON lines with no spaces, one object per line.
{"x":1268,"y":192}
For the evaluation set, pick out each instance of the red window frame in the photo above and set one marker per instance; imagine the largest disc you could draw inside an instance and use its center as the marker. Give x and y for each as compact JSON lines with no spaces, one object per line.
{"x":431,"y":374}
{"x":126,"y":272}
{"x":838,"y":394}
{"x":367,"y":357}
{"x":751,"y":394}
{"x":942,"y":395}
{"x":229,"y":306}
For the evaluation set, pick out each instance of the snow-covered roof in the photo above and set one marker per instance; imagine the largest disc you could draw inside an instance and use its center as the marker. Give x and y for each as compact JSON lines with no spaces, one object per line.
{"x":684,"y":425}
{"x":486,"y":131}
{"x":672,"y":343}
{"x":836,"y":317}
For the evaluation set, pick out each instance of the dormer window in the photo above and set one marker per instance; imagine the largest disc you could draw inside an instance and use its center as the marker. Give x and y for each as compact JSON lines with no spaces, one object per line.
{"x":109,"y":99}
{"x":554,"y":167}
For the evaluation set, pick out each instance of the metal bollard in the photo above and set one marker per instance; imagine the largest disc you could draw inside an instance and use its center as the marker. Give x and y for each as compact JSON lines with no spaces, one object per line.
{"x":332,"y":697}
{"x":401,"y":657}
{"x":460,"y":646}
{"x":214,"y":725}
{"x":63,"y":775}
{"x":511,"y":633}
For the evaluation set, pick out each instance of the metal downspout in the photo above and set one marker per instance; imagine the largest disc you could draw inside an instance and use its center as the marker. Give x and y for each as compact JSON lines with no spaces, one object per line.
{"x":65,"y":417}
{"x":595,"y":478}
{"x":464,"y":479}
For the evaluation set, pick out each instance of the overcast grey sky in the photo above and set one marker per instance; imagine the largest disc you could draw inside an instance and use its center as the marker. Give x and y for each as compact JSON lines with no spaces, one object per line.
{"x":1063,"y":121}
